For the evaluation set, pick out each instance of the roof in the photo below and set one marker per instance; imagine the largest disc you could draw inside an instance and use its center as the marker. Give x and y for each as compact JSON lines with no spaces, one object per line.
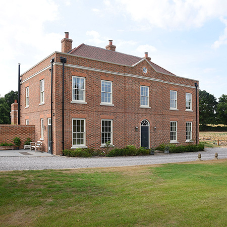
{"x":115,"y":57}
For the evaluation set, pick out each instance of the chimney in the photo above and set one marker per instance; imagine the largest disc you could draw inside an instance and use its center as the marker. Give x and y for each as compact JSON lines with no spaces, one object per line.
{"x":66,"y":43}
{"x":14,"y":113}
{"x":111,"y":46}
{"x":146,"y":56}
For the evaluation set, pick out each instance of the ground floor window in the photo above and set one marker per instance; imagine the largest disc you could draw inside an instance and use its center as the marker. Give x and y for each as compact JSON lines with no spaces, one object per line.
{"x":173,"y":131}
{"x":107,"y":132}
{"x":188,"y":131}
{"x":78,"y":132}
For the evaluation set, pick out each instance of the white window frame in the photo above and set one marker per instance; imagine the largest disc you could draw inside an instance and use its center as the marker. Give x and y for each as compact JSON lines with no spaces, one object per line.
{"x":81,"y":101}
{"x":188,"y":100}
{"x":173,"y":100}
{"x":84,"y":134}
{"x":27,"y":97}
{"x":42,"y":91}
{"x":110,"y":103}
{"x":111,"y":132}
{"x":41,"y":129}
{"x":142,"y":95}
{"x":189,"y":132}
{"x":174,"y":140}
{"x":27,"y":122}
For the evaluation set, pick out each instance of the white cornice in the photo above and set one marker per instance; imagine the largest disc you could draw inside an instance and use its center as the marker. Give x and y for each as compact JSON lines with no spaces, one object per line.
{"x":108,"y":72}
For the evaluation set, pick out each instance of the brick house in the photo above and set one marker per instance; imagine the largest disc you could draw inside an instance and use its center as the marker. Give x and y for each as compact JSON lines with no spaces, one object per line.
{"x":101,"y":95}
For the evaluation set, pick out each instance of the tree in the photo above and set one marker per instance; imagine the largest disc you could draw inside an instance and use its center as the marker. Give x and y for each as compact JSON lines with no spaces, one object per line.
{"x":4,"y":112}
{"x":207,"y":108}
{"x":11,"y":97}
{"x":5,"y":106}
{"x":222,"y":110}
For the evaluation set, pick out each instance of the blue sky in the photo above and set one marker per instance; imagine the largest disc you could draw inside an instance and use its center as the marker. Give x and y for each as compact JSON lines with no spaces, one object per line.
{"x":186,"y":37}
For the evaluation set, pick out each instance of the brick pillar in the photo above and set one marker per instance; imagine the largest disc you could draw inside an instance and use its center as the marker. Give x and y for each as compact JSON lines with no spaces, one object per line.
{"x":14,"y":113}
{"x":66,"y":43}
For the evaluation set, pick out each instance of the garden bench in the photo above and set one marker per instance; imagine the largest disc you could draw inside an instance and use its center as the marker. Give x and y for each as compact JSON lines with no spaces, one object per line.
{"x":36,"y":145}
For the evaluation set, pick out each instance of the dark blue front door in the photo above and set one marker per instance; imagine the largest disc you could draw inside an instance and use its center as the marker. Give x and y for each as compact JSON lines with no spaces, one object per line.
{"x":145,"y":136}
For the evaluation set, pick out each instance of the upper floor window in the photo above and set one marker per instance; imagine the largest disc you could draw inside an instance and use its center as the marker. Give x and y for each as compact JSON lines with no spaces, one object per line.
{"x":26,"y":122}
{"x":173,"y":131}
{"x":27,"y":96}
{"x":188,"y":131}
{"x":41,"y":91}
{"x":188,"y":101}
{"x":78,"y":89}
{"x":173,"y":99}
{"x":144,"y":96}
{"x":106,"y":92}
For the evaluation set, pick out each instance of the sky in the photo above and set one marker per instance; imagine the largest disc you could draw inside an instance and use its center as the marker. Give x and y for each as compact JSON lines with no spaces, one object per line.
{"x":186,"y":37}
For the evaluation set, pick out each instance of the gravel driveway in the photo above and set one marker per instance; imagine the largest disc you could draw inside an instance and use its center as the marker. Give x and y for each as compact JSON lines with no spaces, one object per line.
{"x":31,"y":162}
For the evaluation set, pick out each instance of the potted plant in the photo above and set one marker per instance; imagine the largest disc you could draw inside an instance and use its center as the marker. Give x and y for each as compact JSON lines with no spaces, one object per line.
{"x":17,"y":142}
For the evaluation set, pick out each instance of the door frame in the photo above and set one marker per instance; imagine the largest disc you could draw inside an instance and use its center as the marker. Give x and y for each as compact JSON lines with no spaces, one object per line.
{"x":145,"y":120}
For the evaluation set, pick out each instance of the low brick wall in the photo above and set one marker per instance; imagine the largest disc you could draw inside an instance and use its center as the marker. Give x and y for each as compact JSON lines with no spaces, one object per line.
{"x":8,"y":132}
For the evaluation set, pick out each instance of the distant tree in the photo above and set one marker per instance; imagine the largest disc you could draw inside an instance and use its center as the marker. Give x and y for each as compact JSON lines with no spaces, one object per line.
{"x":11,"y":97}
{"x":5,"y":106}
{"x":207,"y":108}
{"x":222,"y":110}
{"x":4,"y":112}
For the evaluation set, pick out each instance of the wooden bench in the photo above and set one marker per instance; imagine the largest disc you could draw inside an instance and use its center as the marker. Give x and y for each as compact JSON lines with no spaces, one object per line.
{"x":36,"y":145}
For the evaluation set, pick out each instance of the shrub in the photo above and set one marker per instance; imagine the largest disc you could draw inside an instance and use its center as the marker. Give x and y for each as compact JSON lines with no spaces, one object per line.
{"x":79,"y":152}
{"x":27,"y":142}
{"x":17,"y":141}
{"x":179,"y":149}
{"x":5,"y":144}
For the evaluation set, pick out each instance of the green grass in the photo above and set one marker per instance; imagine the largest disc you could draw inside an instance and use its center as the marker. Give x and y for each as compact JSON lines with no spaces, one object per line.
{"x":166,"y":195}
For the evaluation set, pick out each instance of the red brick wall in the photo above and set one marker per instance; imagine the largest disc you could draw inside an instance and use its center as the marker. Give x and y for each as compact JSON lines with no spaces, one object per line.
{"x":126,"y":112}
{"x":8,"y":132}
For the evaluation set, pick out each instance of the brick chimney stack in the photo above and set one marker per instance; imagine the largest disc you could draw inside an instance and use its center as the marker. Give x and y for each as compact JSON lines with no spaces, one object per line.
{"x":111,"y":46}
{"x":66,"y":43}
{"x":14,"y":113}
{"x":146,"y":56}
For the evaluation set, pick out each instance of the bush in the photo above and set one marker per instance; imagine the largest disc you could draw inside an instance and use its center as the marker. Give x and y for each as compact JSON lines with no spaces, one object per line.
{"x":180,"y":149}
{"x":27,"y":142}
{"x":5,"y":144}
{"x":79,"y":152}
{"x":17,"y":141}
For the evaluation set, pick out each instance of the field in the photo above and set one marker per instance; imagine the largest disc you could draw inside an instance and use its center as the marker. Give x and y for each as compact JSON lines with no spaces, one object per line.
{"x":213,"y":138}
{"x":189,"y":194}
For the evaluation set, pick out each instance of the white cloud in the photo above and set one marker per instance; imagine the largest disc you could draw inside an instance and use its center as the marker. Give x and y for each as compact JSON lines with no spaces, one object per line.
{"x":176,"y":14}
{"x":22,"y":35}
{"x":145,"y":48}
{"x":96,"y":38}
{"x":223,"y":38}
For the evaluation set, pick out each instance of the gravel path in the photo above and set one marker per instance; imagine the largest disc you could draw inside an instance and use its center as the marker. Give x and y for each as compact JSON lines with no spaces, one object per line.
{"x":29,"y":162}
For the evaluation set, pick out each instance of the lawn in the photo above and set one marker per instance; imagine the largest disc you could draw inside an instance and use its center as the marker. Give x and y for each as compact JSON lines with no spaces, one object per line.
{"x":189,"y":194}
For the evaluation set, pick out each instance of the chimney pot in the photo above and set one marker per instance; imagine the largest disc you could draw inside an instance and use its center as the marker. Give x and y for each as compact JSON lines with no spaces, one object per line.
{"x":66,"y":35}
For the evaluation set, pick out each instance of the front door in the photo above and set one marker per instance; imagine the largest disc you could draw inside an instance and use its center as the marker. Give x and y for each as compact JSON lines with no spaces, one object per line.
{"x":145,"y":126}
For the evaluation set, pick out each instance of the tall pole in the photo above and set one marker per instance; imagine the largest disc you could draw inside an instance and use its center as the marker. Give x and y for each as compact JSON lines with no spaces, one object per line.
{"x":63,"y":61}
{"x":19,"y":81}
{"x":196,"y":103}
{"x":51,"y":111}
